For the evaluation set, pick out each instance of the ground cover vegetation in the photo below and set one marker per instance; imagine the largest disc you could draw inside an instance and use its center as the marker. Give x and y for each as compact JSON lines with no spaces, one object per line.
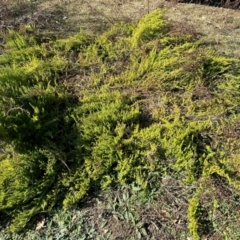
{"x":143,"y":112}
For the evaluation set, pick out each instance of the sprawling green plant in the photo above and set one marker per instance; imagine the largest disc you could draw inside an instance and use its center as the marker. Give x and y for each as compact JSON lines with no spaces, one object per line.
{"x":88,"y":112}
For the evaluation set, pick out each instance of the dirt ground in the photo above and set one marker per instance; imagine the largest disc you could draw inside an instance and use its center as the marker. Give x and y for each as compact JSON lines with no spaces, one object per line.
{"x":219,"y":26}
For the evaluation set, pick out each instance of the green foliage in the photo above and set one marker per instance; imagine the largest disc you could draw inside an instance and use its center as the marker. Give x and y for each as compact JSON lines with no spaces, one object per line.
{"x":35,"y":120}
{"x":192,"y":212}
{"x":87,"y":113}
{"x":115,"y":149}
{"x":150,"y":27}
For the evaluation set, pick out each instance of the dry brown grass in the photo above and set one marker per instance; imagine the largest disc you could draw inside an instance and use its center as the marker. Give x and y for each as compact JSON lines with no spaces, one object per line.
{"x":220,"y":27}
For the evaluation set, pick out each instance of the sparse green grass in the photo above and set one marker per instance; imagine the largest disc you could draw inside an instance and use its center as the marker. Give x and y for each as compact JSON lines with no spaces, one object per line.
{"x":128,"y":134}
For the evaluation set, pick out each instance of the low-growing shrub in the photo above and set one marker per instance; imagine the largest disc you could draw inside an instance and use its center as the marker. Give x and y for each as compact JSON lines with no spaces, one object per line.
{"x":90,"y":112}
